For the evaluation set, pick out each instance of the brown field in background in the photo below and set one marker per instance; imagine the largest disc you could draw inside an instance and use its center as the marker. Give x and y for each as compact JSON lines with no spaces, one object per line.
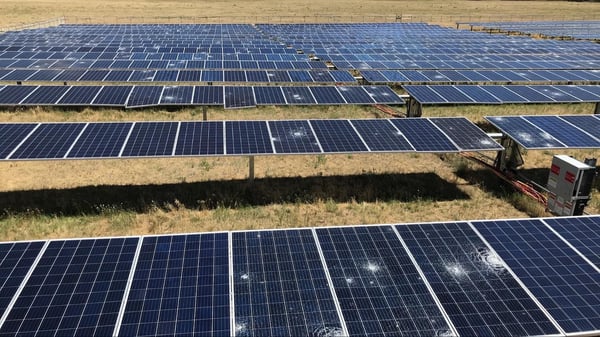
{"x":52,"y":199}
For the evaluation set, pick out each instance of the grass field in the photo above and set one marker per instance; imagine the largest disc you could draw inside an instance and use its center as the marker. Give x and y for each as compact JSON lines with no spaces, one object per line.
{"x":53,"y":199}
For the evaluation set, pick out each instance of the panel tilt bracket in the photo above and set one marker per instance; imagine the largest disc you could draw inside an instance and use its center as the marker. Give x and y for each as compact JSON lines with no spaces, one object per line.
{"x":597,"y":109}
{"x":413,"y":108}
{"x":510,"y":158}
{"x":251,"y":169}
{"x":204,"y":113}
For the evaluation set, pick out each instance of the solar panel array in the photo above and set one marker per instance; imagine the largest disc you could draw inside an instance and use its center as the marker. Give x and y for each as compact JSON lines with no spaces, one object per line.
{"x":588,"y":30}
{"x":551,"y":132}
{"x":503,"y":94}
{"x":494,"y":278}
{"x":31,"y":141}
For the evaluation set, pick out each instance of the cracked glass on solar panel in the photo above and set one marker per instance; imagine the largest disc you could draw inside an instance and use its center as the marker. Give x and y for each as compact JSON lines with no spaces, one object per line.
{"x":49,"y":141}
{"x":530,"y":94}
{"x":381,"y":135}
{"x":383,"y":94}
{"x":581,"y":232}
{"x":13,"y":95}
{"x":142,"y":76}
{"x":180,"y":287}
{"x":525,"y":133}
{"x":320,"y":76}
{"x":239,"y":97}
{"x":466,"y":134}
{"x":564,"y":132}
{"x":278,"y":76}
{"x":337,"y":136}
{"x":298,"y":95}
{"x":100,"y":140}
{"x":566,"y":285}
{"x":554,"y":93}
{"x":423,"y":135}
{"x":148,"y":139}
{"x":200,"y":139}
{"x":269,"y":96}
{"x":589,"y":123}
{"x":177,"y":95}
{"x":378,"y":287}
{"x":327,"y":95}
{"x":76,"y":289}
{"x":247,"y":137}
{"x":11,"y":135}
{"x":208,"y":95}
{"x":355,"y":95}
{"x":45,"y":95}
{"x":142,"y":96}
{"x":15,"y":261}
{"x":293,"y":137}
{"x":473,"y":285}
{"x":79,"y":95}
{"x":280,"y":285}
{"x":113,"y":96}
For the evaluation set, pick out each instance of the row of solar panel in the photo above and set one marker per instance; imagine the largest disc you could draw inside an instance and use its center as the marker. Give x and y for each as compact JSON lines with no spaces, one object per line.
{"x":230,"y":97}
{"x":551,"y":132}
{"x":242,"y":76}
{"x":537,"y":277}
{"x":211,"y":60}
{"x":479,"y":76}
{"x":420,"y":63}
{"x":78,"y":63}
{"x":502,"y":94}
{"x":28,"y":141}
{"x":589,"y":30}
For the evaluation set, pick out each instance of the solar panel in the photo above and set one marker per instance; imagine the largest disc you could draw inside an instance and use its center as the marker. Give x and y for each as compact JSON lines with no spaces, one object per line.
{"x":118,"y":76}
{"x":564,"y":132}
{"x":378,"y":287}
{"x":298,"y":95}
{"x":177,"y":95}
{"x":320,"y":76}
{"x":580,"y":93}
{"x":566,"y":285}
{"x":278,"y":76}
{"x":79,"y":95}
{"x":280,"y":286}
{"x":142,"y":76}
{"x":208,"y":95}
{"x":150,"y":139}
{"x":424,"y":94}
{"x":269,"y":96}
{"x":293,"y":137}
{"x":466,"y":135}
{"x":75,"y":289}
{"x":473,"y":285}
{"x":94,"y":76}
{"x":170,"y":76}
{"x":583,"y":233}
{"x":143,"y":96}
{"x":13,"y":95}
{"x":355,"y":95}
{"x":70,"y":75}
{"x":525,"y":133}
{"x":19,"y":75}
{"x":113,"y":96}
{"x":588,"y":123}
{"x":247,"y":137}
{"x":327,"y":95}
{"x":100,"y":140}
{"x":45,"y":75}
{"x":180,"y":287}
{"x":12,"y":135}
{"x":49,"y":141}
{"x":212,"y":76}
{"x":554,"y":93}
{"x":234,"y":76}
{"x":239,"y":97}
{"x":504,"y":94}
{"x":189,"y":76}
{"x":200,"y":139}
{"x":381,"y":135}
{"x":382,"y":94}
{"x":423,"y":135}
{"x":299,"y":76}
{"x":342,"y":76}
{"x":531,"y":95}
{"x":337,"y":136}
{"x":478,"y":94}
{"x":257,"y":76}
{"x":45,"y":95}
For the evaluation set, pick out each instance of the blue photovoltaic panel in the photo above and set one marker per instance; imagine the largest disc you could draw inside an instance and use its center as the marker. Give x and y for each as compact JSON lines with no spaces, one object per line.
{"x":278,"y":76}
{"x":321,"y":76}
{"x":13,"y":95}
{"x":293,"y":137}
{"x":424,"y":94}
{"x":70,"y":75}
{"x":177,"y":95}
{"x":118,"y":76}
{"x":451,"y":94}
{"x":531,"y":95}
{"x":113,"y":96}
{"x":327,"y":95}
{"x":19,"y":75}
{"x":239,"y":97}
{"x":76,"y":289}
{"x":166,"y":76}
{"x":11,"y":135}
{"x":93,"y":76}
{"x":257,"y":76}
{"x":142,"y":76}
{"x":212,"y":76}
{"x":200,"y":139}
{"x":355,"y":95}
{"x":473,"y":285}
{"x":589,"y":124}
{"x":580,"y":93}
{"x":142,"y":96}
{"x":149,"y":139}
{"x":524,"y":132}
{"x":298,"y":95}
{"x":381,"y":135}
{"x":504,"y":94}
{"x":564,"y":132}
{"x":478,"y":94}
{"x":383,"y":94}
{"x":15,"y":261}
{"x":379,"y":288}
{"x":337,"y":136}
{"x":566,"y":285}
{"x":45,"y":75}
{"x":554,"y":93}
{"x":269,"y":96}
{"x":299,"y":76}
{"x":101,"y":140}
{"x":342,"y":76}
{"x":208,"y":95}
{"x":234,"y":76}
{"x":280,"y":286}
{"x":247,"y":137}
{"x":189,"y":76}
{"x":45,"y":95}
{"x":180,"y":287}
{"x":79,"y":95}
{"x":466,"y":135}
{"x":49,"y":141}
{"x":583,"y":233}
{"x":423,"y":135}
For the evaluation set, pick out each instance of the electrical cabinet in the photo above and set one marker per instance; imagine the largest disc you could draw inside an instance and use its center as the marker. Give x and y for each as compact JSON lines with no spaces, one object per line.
{"x":569,"y":185}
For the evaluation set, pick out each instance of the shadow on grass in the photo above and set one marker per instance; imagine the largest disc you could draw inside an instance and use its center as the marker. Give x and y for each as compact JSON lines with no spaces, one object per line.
{"x":232,"y":193}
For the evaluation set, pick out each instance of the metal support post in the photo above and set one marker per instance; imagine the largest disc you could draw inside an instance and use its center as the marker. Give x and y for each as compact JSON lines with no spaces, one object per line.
{"x":251,"y":169}
{"x":204,"y":113}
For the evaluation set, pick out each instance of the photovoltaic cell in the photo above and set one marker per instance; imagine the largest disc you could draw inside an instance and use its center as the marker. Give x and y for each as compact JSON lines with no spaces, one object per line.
{"x":383,"y":94}
{"x":477,"y":292}
{"x":298,"y":95}
{"x":293,"y":137}
{"x":177,"y":95}
{"x":465,"y":134}
{"x":583,"y":233}
{"x":101,"y":140}
{"x":589,"y":124}
{"x":563,"y":131}
{"x":565,"y":284}
{"x":478,"y":94}
{"x":49,"y":141}
{"x":451,"y":94}
{"x":269,"y":96}
{"x":379,"y":288}
{"x":208,"y":95}
{"x":247,"y":137}
{"x":76,"y":289}
{"x":150,"y":139}
{"x":525,"y":133}
{"x":239,"y":97}
{"x":13,"y":95}
{"x":504,"y":94}
{"x":280,"y":286}
{"x":531,"y":95}
{"x":424,"y":94}
{"x":355,"y":95}
{"x":113,"y":96}
{"x":79,"y":95}
{"x":423,"y":135}
{"x":327,"y":95}
{"x":142,"y":96}
{"x":337,"y":136}
{"x":45,"y":95}
{"x":11,"y":135}
{"x":381,"y":135}
{"x":200,"y":139}
{"x":180,"y":287}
